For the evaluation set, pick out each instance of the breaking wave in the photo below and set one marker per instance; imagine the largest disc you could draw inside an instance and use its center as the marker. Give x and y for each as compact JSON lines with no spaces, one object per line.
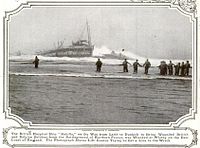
{"x":101,"y":51}
{"x":108,"y":56}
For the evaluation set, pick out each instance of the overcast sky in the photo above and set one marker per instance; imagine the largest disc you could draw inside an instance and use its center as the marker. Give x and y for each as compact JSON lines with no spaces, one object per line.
{"x":149,"y":32}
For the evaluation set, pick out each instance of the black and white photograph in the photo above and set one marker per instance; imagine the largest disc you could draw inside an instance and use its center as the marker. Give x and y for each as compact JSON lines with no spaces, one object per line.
{"x":100,"y":65}
{"x":99,"y":73}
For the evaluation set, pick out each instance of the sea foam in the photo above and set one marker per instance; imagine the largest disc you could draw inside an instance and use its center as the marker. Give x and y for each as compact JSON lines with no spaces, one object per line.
{"x":99,"y":52}
{"x":86,"y":75}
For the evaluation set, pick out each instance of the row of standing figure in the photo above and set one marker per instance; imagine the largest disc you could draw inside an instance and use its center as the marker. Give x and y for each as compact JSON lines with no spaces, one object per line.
{"x":125,"y":63}
{"x":146,"y":66}
{"x":180,"y":69}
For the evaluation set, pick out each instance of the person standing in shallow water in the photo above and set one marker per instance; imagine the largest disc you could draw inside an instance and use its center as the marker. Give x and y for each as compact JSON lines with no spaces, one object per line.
{"x":170,"y":68}
{"x":98,"y":64}
{"x":135,"y":66}
{"x":125,"y":65}
{"x":177,"y":69}
{"x":187,"y":68}
{"x":163,"y":68}
{"x":36,"y":62}
{"x":182,"y":69}
{"x":147,"y":65}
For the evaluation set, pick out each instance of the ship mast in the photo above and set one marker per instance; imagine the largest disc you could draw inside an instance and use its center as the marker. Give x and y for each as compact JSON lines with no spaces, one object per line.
{"x":88,"y":32}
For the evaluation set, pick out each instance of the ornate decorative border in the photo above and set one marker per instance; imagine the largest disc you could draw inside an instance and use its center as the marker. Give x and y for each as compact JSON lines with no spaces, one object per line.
{"x":195,"y":139}
{"x":186,"y":7}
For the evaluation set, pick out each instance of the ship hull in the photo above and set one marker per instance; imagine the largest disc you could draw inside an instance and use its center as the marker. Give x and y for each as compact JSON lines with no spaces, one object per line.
{"x":80,"y":51}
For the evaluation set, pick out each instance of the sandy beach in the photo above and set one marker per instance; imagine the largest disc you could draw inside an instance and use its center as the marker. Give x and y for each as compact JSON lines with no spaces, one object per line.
{"x":39,"y":97}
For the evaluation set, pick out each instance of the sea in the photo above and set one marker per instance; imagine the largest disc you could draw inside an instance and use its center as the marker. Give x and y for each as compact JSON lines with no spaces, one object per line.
{"x":70,"y":91}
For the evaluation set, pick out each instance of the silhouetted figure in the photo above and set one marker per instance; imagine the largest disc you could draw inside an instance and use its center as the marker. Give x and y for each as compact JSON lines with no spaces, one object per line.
{"x":187,"y":68}
{"x":135,"y":66}
{"x":170,"y":68}
{"x":147,"y":65}
{"x":36,"y":62}
{"x":98,"y":64}
{"x":182,"y":69}
{"x":177,"y":69}
{"x":125,"y":65}
{"x":163,"y":68}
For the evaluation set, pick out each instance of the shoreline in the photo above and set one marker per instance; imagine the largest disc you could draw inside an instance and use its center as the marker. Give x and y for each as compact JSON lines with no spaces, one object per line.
{"x":106,"y":76}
